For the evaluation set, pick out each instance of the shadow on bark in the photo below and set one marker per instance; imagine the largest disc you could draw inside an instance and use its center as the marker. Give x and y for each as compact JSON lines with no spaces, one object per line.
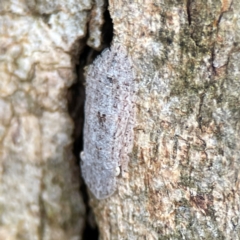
{"x":76,"y":97}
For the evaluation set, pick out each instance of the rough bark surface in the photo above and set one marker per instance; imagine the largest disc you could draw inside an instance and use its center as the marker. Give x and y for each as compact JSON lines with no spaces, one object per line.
{"x":183,"y":178}
{"x":39,"y":177}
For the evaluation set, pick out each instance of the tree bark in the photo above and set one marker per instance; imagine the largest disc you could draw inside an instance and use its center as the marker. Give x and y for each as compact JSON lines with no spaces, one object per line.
{"x":39,"y":176}
{"x":183,"y":179}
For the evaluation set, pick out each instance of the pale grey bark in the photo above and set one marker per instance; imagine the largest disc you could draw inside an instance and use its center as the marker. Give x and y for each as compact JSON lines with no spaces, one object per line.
{"x":183,"y":178}
{"x":39,"y":177}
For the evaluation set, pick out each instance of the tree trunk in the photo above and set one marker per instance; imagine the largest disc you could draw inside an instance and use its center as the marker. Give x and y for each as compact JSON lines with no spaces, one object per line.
{"x":39,"y":176}
{"x":183,"y":180}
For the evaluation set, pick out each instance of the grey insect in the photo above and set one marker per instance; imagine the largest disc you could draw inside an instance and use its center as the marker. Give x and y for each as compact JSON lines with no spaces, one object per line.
{"x":109,"y":119}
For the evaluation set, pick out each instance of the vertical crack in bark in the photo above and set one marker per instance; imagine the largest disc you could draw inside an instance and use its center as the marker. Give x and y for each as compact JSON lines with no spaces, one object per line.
{"x":199,"y":115}
{"x":76,"y":97}
{"x":189,"y":12}
{"x":225,"y":8}
{"x":212,"y":60}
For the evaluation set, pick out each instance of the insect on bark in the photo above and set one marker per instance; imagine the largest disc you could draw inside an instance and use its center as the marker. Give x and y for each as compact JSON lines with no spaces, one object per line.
{"x":109,"y":119}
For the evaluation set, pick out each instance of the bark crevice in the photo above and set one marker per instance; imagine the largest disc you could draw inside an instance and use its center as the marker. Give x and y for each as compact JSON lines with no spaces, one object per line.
{"x":76,"y":98}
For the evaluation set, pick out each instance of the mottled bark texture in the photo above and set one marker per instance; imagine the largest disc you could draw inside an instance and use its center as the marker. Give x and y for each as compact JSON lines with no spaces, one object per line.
{"x":39,"y":177}
{"x":183,"y":178}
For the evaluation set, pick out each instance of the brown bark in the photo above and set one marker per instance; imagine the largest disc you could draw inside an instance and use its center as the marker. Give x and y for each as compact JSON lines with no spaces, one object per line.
{"x":183,"y":180}
{"x":183,"y":174}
